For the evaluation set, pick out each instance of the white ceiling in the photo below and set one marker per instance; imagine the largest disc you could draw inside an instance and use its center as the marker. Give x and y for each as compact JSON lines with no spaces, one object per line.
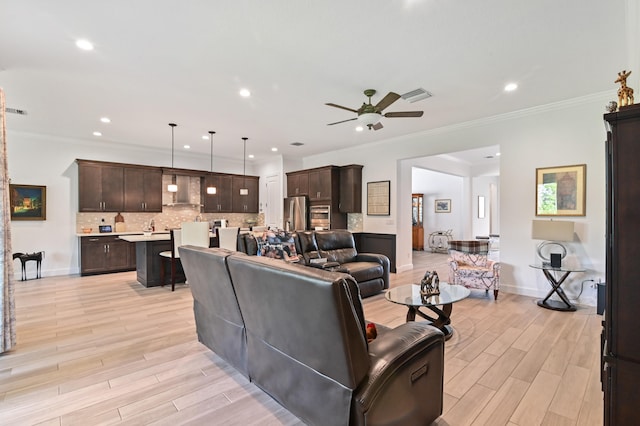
{"x":163,"y":61}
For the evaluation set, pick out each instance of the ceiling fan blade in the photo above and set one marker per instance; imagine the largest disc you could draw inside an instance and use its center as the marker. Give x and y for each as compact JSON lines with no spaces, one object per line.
{"x":343,"y":121}
{"x":377,"y":126}
{"x":387,"y":100}
{"x":342,"y":107}
{"x":404,"y":114}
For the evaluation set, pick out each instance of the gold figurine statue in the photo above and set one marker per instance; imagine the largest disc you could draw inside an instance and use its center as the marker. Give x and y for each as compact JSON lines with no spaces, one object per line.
{"x":625,"y":94}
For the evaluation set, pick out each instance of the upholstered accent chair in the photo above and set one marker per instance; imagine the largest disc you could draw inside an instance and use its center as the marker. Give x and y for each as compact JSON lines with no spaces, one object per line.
{"x":470,"y":266}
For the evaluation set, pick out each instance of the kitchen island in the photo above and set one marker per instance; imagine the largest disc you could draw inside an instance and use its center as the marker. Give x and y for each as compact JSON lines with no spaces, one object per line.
{"x":148,"y":260}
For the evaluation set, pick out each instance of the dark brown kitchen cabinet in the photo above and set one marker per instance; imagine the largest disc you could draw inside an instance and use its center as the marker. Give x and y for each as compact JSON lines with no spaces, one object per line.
{"x":105,"y":254}
{"x":351,"y":188}
{"x":221,"y":201}
{"x":142,"y":189}
{"x":245,"y":203}
{"x":100,"y":187}
{"x":324,"y":183}
{"x":297,"y":184}
{"x":621,"y":341}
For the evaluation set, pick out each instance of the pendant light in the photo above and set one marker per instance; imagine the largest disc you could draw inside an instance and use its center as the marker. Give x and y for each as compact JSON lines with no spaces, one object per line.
{"x":244,"y":190}
{"x":211,"y":189}
{"x":172,"y":187}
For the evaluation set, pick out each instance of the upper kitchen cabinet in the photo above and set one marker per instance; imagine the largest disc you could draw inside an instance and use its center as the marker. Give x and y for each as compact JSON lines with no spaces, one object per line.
{"x":221,"y":201}
{"x":100,"y":186}
{"x":245,"y":203}
{"x":297,"y":184}
{"x":142,"y":189}
{"x":351,"y":189}
{"x":324,"y":183}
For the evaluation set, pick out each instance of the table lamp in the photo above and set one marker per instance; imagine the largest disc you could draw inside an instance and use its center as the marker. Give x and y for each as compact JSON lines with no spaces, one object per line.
{"x":552,"y":232}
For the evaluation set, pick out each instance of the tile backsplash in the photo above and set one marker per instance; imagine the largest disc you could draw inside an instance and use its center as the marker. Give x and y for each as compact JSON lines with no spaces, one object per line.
{"x":171,"y":217}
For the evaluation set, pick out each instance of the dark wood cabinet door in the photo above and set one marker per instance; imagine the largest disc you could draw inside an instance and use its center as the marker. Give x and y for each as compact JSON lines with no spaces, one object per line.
{"x":320,"y":184}
{"x":153,"y":191}
{"x":221,"y":201}
{"x":351,"y":189}
{"x":117,"y":254}
{"x":245,"y":203}
{"x":133,"y":190}
{"x":113,"y":188}
{"x":92,"y":255}
{"x":89,"y":188}
{"x":142,"y":190}
{"x":297,"y":184}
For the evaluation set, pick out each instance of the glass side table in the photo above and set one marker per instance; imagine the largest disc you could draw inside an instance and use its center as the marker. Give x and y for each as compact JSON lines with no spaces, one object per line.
{"x":555,"y":281}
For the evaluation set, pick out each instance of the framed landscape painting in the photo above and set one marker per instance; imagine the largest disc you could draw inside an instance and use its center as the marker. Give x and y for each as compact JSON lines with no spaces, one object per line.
{"x":443,"y":206}
{"x":28,"y":202}
{"x":561,"y":191}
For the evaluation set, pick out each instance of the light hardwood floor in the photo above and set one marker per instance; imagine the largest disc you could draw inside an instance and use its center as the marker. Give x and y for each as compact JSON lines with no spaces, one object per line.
{"x":106,"y":350}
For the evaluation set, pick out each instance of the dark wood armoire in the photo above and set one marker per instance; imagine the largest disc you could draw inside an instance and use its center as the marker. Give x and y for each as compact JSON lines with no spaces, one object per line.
{"x":621,"y":334}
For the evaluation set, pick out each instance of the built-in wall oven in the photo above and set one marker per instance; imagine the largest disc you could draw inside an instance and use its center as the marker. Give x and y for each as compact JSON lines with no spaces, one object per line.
{"x":320,"y":217}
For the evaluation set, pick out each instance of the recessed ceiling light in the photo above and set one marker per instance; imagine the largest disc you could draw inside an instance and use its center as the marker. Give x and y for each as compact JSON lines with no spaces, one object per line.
{"x":84,"y":44}
{"x":359,"y":129}
{"x":497,"y":154}
{"x":187,"y":146}
{"x":245,"y":93}
{"x":510,"y":87}
{"x":274,"y":149}
{"x":105,"y":120}
{"x":97,"y":134}
{"x":251,"y":155}
{"x":205,"y":137}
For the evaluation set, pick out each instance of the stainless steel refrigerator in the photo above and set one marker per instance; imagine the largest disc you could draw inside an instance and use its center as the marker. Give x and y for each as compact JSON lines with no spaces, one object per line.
{"x":296,"y":214}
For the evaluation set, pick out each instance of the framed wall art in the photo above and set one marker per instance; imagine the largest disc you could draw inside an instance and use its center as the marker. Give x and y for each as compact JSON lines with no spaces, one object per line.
{"x":561,"y":191}
{"x":379,"y":198}
{"x":28,"y":202}
{"x":443,"y":206}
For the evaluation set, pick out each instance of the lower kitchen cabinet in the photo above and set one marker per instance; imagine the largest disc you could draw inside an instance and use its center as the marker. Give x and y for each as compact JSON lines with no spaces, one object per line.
{"x":100,"y":255}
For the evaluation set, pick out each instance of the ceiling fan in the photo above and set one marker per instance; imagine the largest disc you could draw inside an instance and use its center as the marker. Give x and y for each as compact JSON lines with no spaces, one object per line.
{"x":370,"y":115}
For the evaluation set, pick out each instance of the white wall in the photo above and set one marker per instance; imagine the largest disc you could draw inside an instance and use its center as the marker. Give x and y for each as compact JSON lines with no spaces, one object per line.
{"x":565,"y":133}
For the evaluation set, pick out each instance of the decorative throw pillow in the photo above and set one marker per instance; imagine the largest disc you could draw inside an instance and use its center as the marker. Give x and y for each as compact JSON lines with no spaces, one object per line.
{"x":277,"y":244}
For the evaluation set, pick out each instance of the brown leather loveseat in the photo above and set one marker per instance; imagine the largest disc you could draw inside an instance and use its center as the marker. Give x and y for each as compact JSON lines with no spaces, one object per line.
{"x":299,"y":334}
{"x":370,"y":270}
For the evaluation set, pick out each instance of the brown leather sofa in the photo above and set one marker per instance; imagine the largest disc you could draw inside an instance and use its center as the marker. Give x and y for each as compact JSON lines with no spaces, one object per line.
{"x":338,"y":247}
{"x":370,"y":270}
{"x":299,"y":334}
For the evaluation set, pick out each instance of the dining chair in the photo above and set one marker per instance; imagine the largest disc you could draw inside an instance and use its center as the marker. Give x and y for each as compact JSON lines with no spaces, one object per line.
{"x":190,"y":233}
{"x":228,"y":237}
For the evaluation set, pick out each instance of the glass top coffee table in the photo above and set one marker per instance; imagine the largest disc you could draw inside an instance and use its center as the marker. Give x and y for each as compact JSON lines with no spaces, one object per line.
{"x":410,"y":296}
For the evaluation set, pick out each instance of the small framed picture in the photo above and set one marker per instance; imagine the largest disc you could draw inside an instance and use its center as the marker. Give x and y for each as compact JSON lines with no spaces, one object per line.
{"x":28,"y":202}
{"x":443,"y":206}
{"x":561,"y":191}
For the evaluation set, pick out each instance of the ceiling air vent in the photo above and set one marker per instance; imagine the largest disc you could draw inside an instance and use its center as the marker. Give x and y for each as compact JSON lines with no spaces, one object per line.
{"x":416,"y":95}
{"x":16,"y":111}
{"x":297,"y":143}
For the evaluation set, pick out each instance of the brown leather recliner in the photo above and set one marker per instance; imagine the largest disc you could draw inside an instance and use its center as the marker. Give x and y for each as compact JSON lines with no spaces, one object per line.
{"x":304,"y":341}
{"x":370,"y":270}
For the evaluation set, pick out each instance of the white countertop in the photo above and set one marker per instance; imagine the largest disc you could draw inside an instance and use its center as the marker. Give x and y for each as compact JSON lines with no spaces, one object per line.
{"x":158,"y":236}
{"x":117,"y":234}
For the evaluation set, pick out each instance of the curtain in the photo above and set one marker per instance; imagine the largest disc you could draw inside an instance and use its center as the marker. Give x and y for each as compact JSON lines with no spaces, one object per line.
{"x":7,"y":302}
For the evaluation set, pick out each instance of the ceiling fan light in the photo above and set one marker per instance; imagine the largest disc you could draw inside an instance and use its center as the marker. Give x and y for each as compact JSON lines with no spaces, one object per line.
{"x":369,"y":118}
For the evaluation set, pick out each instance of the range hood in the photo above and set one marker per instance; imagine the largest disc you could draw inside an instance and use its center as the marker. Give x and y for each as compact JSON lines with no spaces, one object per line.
{"x":188,"y":191}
